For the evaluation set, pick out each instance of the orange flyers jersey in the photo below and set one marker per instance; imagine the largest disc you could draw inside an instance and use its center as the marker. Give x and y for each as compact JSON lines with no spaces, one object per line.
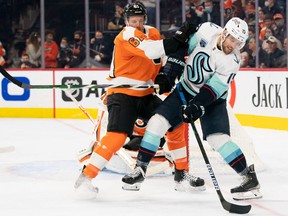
{"x":136,"y":59}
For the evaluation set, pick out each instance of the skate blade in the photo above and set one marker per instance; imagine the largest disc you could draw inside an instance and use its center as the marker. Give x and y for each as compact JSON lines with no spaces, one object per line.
{"x":131,"y":187}
{"x":253,"y":194}
{"x":188,"y":188}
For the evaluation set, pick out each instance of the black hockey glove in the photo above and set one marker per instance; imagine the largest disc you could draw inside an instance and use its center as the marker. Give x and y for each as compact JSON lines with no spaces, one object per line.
{"x":186,"y":29}
{"x":192,"y":112}
{"x":163,"y":82}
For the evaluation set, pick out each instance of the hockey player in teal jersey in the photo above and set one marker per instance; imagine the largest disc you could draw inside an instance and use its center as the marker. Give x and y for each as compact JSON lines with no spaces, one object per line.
{"x":213,"y":61}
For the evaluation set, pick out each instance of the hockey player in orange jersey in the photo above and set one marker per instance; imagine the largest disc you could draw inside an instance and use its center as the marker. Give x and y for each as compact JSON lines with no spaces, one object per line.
{"x":134,"y":62}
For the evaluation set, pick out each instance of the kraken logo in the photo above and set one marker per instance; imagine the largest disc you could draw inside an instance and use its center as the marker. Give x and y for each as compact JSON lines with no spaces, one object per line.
{"x":200,"y":65}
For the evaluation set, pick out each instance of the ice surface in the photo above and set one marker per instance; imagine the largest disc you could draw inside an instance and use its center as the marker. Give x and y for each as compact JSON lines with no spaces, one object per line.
{"x":37,"y":178}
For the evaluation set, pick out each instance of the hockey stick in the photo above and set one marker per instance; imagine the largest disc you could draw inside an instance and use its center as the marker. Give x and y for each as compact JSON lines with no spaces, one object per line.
{"x":68,"y":93}
{"x":29,"y":86}
{"x":232,"y":208}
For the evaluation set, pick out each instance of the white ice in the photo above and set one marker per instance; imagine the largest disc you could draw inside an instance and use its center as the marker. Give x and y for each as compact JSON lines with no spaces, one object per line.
{"x":37,"y":178}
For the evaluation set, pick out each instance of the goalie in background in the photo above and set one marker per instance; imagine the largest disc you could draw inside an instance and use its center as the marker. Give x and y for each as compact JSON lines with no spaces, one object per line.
{"x":213,"y":61}
{"x":161,"y":164}
{"x":134,"y":61}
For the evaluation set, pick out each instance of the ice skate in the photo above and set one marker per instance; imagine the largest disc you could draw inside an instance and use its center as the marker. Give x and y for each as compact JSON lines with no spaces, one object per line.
{"x":133,"y":180}
{"x":84,"y":187}
{"x":249,"y":188}
{"x":186,"y":182}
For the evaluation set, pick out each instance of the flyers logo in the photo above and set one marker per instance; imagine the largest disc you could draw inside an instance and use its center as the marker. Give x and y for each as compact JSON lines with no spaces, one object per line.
{"x":134,"y":41}
{"x":139,"y":127}
{"x":140,"y":123}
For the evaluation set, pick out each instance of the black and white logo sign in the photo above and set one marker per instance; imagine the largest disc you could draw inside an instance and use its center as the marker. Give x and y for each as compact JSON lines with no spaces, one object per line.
{"x":76,"y":93}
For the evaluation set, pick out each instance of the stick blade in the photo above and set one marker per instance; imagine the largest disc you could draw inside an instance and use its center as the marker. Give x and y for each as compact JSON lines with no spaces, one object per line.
{"x":233,"y":208}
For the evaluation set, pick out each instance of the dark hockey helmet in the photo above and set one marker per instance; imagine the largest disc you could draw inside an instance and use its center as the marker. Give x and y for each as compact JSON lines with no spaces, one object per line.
{"x":135,"y":9}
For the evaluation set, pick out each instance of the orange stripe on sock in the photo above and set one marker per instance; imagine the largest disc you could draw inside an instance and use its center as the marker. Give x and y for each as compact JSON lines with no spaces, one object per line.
{"x":91,"y":171}
{"x":182,"y":163}
{"x":107,"y":147}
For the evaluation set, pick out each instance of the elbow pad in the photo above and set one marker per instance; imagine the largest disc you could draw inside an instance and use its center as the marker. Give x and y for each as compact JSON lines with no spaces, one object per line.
{"x":171,"y":45}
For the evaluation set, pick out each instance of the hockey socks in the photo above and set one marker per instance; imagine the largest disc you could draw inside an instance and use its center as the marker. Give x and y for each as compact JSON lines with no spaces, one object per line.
{"x":233,"y":155}
{"x":149,"y":146}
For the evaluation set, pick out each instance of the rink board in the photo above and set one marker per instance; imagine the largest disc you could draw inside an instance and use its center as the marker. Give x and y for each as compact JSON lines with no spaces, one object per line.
{"x":259,"y":98}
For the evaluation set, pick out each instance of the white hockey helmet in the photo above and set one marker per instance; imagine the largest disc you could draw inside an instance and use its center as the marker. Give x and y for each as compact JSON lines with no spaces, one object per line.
{"x":238,"y":28}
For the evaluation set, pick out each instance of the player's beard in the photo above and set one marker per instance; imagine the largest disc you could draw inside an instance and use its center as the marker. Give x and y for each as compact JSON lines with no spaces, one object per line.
{"x":227,"y":49}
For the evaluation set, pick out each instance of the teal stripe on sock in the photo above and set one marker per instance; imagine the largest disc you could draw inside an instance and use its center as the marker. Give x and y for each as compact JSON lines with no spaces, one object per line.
{"x":150,"y":141}
{"x":149,"y":146}
{"x":229,"y":151}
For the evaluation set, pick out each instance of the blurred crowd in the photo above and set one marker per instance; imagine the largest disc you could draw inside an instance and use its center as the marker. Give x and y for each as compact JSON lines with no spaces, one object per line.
{"x":70,"y":51}
{"x":65,"y":54}
{"x":272,"y":25}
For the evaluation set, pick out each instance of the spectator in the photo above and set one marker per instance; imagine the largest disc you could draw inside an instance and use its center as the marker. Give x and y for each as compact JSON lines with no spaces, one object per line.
{"x":261,"y":18}
{"x":274,"y":52}
{"x":119,"y":8}
{"x":25,"y":62}
{"x":279,"y":30}
{"x":2,"y":53}
{"x":198,"y":7}
{"x":78,"y":51}
{"x":250,"y":13}
{"x":191,"y":14}
{"x":285,"y":45}
{"x":251,"y":32}
{"x":281,"y":62}
{"x":174,"y":15}
{"x":282,"y":5}
{"x":117,"y":22}
{"x":237,"y":8}
{"x":65,"y":53}
{"x":97,"y":42}
{"x":268,"y":23}
{"x":151,"y":11}
{"x":271,"y":7}
{"x":244,"y":59}
{"x":102,"y":48}
{"x":268,"y":33}
{"x":252,"y":50}
{"x":33,"y":49}
{"x":15,"y":58}
{"x":211,"y":12}
{"x":228,"y":12}
{"x":50,"y":51}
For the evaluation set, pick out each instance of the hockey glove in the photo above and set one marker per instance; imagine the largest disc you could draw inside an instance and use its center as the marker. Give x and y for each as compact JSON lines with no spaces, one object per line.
{"x":182,"y":35}
{"x":163,"y":82}
{"x":192,"y":112}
